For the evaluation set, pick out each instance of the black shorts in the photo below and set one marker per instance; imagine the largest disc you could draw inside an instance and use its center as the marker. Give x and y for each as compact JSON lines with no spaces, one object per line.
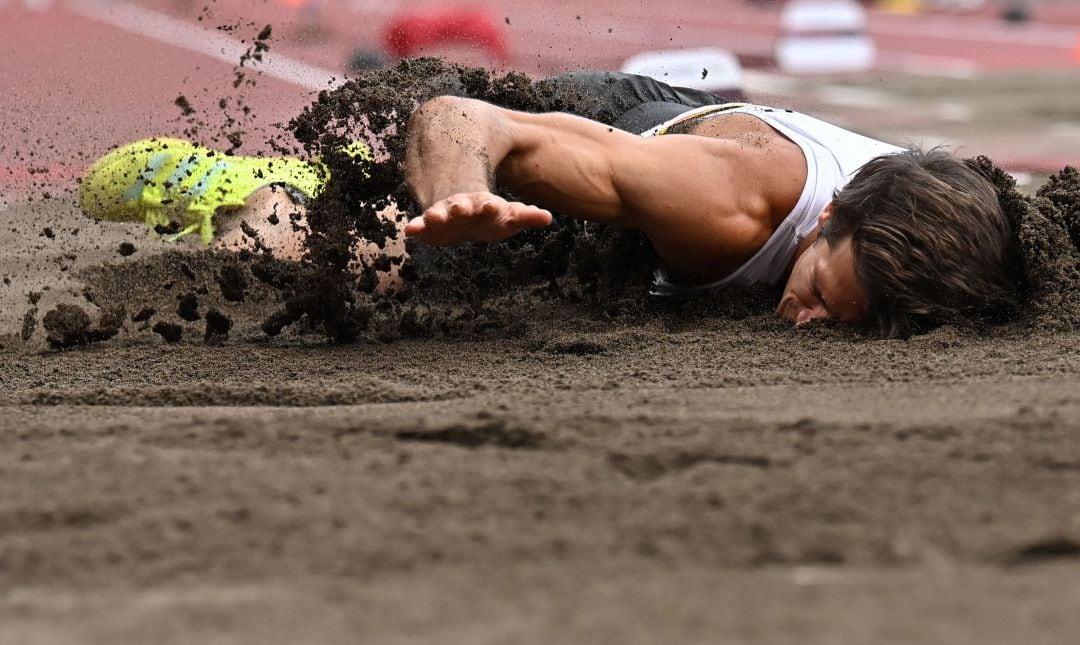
{"x":628,"y":101}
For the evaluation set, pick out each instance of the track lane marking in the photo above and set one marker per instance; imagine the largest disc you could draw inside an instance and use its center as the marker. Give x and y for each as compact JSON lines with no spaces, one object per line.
{"x":179,"y":33}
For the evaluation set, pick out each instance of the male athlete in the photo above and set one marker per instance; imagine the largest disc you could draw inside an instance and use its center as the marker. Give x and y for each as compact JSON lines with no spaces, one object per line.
{"x":729,"y":195}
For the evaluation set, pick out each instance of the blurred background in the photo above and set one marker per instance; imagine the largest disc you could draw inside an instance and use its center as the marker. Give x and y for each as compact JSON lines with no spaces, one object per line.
{"x":994,"y":77}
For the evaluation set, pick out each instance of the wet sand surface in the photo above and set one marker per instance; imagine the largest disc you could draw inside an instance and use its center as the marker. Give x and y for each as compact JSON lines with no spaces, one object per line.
{"x":685,"y":478}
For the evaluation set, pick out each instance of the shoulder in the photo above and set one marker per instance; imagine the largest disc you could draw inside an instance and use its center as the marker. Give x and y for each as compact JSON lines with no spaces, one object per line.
{"x":750,"y":174}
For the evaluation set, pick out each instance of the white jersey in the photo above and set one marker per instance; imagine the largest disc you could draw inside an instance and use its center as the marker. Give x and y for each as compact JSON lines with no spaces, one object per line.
{"x":833,"y":156}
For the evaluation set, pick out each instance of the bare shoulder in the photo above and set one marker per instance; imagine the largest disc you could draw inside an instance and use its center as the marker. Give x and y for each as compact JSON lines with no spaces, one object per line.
{"x":750,"y":172}
{"x":712,"y":201}
{"x":763,"y":155}
{"x":706,"y":202}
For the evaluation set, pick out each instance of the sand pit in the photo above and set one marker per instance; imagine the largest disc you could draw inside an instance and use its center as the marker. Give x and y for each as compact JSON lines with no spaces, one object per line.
{"x":575,"y":476}
{"x":548,"y":461}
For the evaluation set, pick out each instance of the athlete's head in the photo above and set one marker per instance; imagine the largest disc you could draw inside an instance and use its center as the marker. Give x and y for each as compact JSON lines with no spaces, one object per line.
{"x":915,"y":239}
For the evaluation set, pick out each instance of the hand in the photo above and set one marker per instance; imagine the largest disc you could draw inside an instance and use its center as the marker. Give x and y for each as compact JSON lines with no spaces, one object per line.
{"x":475,"y":217}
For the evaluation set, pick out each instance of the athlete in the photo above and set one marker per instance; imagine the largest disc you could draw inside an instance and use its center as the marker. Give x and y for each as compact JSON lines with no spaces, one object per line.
{"x":729,"y":195}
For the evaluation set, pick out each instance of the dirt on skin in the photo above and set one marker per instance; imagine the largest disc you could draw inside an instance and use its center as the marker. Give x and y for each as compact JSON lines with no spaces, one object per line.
{"x":540,"y":453}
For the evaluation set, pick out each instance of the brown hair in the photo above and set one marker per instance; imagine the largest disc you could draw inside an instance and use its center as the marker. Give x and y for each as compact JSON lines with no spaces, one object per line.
{"x":930,"y":241}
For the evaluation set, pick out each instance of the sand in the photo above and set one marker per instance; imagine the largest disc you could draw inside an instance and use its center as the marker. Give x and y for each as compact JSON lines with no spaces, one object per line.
{"x":555,"y":461}
{"x":582,"y":478}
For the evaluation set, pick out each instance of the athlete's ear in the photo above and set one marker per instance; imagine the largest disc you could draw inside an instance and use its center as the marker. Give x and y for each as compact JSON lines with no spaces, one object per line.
{"x":826,"y":214}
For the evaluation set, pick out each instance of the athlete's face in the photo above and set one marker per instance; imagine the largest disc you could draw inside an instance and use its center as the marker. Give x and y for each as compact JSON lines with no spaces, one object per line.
{"x":823,"y":284}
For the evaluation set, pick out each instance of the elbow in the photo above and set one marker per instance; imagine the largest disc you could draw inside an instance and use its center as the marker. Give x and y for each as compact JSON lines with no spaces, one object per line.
{"x":437,"y":109}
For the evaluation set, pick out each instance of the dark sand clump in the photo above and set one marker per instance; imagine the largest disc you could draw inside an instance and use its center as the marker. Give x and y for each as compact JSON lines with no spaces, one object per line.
{"x":169,"y":332}
{"x":69,"y":325}
{"x":1047,"y":234}
{"x":217,"y":327}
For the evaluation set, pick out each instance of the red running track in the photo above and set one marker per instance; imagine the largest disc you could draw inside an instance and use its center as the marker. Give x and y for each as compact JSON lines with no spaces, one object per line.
{"x":79,"y":79}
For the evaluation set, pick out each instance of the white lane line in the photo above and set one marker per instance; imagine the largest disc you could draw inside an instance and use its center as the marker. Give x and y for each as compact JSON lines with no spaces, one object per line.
{"x":858,"y":97}
{"x":178,"y":33}
{"x":924,"y":65}
{"x":759,"y":82}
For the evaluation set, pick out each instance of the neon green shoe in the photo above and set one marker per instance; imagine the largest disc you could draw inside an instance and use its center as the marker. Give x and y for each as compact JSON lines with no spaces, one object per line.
{"x":161,"y":181}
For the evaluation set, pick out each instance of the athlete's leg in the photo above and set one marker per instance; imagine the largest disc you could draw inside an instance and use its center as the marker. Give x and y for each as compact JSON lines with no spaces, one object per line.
{"x":270,"y":221}
{"x":628,"y":101}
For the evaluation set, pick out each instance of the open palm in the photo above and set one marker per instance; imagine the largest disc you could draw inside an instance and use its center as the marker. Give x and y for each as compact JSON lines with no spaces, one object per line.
{"x":475,"y":217}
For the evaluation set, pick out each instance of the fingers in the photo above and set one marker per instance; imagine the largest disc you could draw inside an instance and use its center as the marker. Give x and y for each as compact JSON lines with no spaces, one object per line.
{"x":435,"y":216}
{"x":532,"y":217}
{"x":415,"y":226}
{"x":516,"y":214}
{"x":492,"y":207}
{"x":461,"y":207}
{"x":479,"y":217}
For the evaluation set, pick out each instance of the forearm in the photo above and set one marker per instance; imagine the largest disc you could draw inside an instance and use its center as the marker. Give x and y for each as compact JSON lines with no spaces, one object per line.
{"x":679,"y":188}
{"x":454,"y":146}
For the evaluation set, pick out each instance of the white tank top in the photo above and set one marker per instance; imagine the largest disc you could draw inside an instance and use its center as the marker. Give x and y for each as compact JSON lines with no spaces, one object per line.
{"x":833,"y":156}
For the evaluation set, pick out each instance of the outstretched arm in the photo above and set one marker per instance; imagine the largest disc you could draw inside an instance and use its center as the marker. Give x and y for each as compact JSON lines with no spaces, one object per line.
{"x":687,"y":193}
{"x":458,"y":147}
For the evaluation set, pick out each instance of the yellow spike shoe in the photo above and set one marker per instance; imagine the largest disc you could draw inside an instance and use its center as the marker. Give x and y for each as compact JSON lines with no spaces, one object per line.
{"x":161,"y":181}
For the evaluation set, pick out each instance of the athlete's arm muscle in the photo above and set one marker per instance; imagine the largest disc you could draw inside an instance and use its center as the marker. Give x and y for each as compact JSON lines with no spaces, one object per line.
{"x":686,"y":193}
